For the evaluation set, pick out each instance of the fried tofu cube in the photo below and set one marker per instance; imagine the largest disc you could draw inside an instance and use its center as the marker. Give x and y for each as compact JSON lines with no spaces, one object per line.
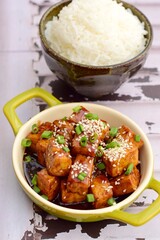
{"x":88,"y":150}
{"x":129,"y":135}
{"x":80,"y":174}
{"x":58,"y":161}
{"x":49,"y":185}
{"x":70,"y":197}
{"x":102,"y":191}
{"x":117,"y":162}
{"x":87,"y":140}
{"x":77,"y":116}
{"x":125,"y":184}
{"x":65,"y":128}
{"x":35,"y":137}
{"x":41,"y":147}
{"x":126,"y":151}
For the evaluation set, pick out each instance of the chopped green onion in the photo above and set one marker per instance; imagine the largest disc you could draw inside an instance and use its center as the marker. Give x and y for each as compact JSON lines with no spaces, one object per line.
{"x":101,"y":166}
{"x":100,"y":151}
{"x":79,"y":129}
{"x":60,"y":139}
{"x":64,"y":118}
{"x":36,"y":189}
{"x":27,"y":158}
{"x":83,"y":141}
{"x":46,"y":134}
{"x":92,"y":116}
{"x":77,"y":109}
{"x":66,"y":149}
{"x":90,"y":197}
{"x":113,"y":131}
{"x":44,"y":196}
{"x":112,"y":145}
{"x":137,"y":138}
{"x":93,"y":137}
{"x":111,"y":201}
{"x":34,"y":179}
{"x":26,"y":142}
{"x":35,"y":128}
{"x":81,"y":176}
{"x":129,"y":169}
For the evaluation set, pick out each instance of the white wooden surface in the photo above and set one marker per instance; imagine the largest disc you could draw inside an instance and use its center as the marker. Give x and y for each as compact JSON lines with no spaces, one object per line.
{"x":22,"y":67}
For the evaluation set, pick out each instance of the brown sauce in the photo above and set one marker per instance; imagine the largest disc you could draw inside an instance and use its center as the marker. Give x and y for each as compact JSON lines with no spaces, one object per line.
{"x":32,"y":167}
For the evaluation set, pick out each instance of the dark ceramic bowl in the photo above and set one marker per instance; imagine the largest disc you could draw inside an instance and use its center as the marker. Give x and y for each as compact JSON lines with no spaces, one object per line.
{"x":92,"y":81}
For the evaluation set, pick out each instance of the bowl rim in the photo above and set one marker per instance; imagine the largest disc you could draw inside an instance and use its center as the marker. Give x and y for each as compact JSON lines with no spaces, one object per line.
{"x":19,"y":172}
{"x":53,"y":53}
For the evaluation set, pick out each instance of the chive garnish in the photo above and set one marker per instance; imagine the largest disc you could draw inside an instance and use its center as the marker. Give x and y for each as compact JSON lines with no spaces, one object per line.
{"x":93,"y":137}
{"x":26,"y":142}
{"x":101,"y":166}
{"x":137,"y":138}
{"x":112,"y":145}
{"x":35,"y":128}
{"x":83,"y":141}
{"x":60,"y":139}
{"x":66,"y":149}
{"x":27,"y":158}
{"x":81,"y":176}
{"x":100,"y":151}
{"x":36,"y":189}
{"x":46,"y":134}
{"x":113,"y":131}
{"x":111,"y":201}
{"x":129,"y":169}
{"x":44,"y":196}
{"x":79,"y":129}
{"x":34,"y":180}
{"x":77,"y":109}
{"x":64,"y":118}
{"x":92,"y":116}
{"x":90,"y":197}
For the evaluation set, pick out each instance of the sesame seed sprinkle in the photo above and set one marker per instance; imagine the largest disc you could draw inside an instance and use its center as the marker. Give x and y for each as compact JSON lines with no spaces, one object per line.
{"x":114,"y":154}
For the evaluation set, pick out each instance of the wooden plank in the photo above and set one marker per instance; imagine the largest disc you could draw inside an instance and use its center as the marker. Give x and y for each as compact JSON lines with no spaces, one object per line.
{"x":16,"y":26}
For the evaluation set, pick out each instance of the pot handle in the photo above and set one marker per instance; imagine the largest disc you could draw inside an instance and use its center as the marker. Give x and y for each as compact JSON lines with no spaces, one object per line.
{"x":138,"y":219}
{"x":10,"y":107}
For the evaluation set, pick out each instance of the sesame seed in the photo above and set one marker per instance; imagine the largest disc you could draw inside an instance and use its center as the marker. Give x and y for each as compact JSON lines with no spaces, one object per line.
{"x":117,"y":183}
{"x":113,"y":154}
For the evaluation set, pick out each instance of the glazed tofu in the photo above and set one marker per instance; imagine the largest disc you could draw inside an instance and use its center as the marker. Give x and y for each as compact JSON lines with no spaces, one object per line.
{"x":65,"y":128}
{"x":35,"y":137}
{"x":91,"y":133}
{"x":78,"y":115}
{"x":116,"y":163}
{"x":125,"y":184}
{"x":126,"y":151}
{"x":58,"y":161}
{"x":129,"y":135}
{"x":102,"y":191}
{"x":49,"y":185}
{"x":79,"y":176}
{"x":70,"y":197}
{"x":41,"y":147}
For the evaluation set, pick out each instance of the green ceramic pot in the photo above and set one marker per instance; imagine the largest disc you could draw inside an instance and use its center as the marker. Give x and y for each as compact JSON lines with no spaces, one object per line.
{"x":114,"y":118}
{"x":88,"y":80}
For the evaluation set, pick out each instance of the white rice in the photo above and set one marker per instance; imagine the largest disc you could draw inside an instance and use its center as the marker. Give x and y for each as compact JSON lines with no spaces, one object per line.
{"x":96,"y":32}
